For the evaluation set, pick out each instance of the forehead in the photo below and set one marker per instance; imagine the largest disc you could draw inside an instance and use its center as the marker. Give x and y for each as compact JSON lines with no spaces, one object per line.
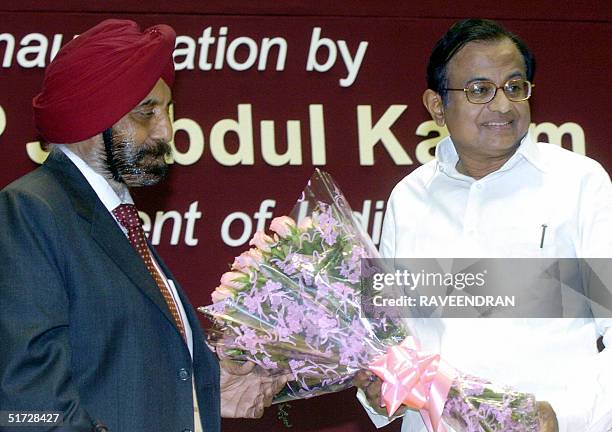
{"x":491,"y":60}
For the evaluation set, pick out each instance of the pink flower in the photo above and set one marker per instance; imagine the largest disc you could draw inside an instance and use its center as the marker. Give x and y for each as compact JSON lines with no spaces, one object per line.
{"x":230,"y":279}
{"x":256,"y":255}
{"x":262,"y":241}
{"x":221,"y":293}
{"x":282,"y":225}
{"x":305,"y":224}
{"x":248,"y":260}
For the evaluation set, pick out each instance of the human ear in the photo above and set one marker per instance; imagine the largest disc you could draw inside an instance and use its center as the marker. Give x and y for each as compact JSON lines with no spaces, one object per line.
{"x":434,"y":104}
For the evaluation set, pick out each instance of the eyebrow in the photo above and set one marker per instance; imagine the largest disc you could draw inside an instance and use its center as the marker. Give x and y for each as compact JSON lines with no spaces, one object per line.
{"x":148,"y":102}
{"x":151,"y":102}
{"x":516,"y":74}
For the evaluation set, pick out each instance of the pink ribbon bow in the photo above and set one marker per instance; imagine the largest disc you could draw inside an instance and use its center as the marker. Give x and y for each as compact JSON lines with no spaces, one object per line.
{"x":416,"y":379}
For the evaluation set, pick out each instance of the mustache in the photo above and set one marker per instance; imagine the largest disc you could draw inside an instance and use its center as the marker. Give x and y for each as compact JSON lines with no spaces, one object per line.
{"x":156,"y":148}
{"x":125,"y":149}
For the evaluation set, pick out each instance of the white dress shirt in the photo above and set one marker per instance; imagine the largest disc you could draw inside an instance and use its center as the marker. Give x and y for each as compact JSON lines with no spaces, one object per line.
{"x":437,"y":212}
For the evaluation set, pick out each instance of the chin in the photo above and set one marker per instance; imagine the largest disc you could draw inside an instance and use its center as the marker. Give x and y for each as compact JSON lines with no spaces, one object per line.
{"x":505,"y":143}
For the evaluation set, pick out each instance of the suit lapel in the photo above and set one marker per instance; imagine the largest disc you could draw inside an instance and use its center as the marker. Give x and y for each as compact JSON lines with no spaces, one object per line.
{"x":116,"y":245}
{"x":104,"y":229}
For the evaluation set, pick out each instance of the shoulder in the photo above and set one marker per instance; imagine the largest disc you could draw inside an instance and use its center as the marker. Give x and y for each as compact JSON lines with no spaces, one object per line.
{"x":415,"y":183}
{"x":31,"y":186}
{"x":570,"y":164}
{"x":37,"y":191}
{"x":30,"y":210}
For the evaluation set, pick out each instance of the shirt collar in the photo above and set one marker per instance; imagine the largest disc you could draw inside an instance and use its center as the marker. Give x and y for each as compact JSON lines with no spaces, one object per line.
{"x":528,"y":150}
{"x":446,"y":154}
{"x":99,"y":184}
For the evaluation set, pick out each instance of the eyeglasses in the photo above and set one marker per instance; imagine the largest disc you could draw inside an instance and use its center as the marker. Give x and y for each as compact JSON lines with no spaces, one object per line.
{"x":482,"y":92}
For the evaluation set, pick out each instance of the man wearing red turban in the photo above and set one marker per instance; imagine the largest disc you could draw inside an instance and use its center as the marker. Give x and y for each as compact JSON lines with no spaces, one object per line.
{"x":93,"y":324}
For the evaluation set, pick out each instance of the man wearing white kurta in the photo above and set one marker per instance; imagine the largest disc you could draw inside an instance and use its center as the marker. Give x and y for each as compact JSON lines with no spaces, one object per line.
{"x":489,"y":193}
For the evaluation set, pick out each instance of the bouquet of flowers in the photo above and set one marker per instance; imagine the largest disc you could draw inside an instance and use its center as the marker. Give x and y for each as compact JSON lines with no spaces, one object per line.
{"x":293,"y":303}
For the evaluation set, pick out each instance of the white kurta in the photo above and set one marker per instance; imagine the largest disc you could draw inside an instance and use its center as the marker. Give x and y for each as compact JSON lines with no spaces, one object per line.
{"x":437,"y":212}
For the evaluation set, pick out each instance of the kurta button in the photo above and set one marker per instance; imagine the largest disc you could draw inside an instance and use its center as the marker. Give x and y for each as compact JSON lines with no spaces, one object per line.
{"x":183,"y":374}
{"x":187,"y":430}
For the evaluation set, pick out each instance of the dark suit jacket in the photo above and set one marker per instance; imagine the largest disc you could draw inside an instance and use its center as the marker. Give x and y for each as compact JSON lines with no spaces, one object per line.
{"x":83,"y":327}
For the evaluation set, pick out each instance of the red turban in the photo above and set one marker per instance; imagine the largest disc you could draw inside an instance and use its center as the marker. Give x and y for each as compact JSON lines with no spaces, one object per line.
{"x":100,"y":76}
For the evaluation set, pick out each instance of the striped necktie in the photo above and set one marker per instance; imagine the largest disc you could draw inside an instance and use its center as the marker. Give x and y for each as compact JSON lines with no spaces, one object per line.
{"x":127,"y":215}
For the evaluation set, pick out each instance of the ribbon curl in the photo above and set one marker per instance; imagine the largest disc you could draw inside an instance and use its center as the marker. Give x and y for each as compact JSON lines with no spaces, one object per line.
{"x":416,"y":379}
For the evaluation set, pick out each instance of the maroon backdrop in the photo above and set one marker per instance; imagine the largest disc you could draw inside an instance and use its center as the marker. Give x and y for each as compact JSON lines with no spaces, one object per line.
{"x":368,"y":128}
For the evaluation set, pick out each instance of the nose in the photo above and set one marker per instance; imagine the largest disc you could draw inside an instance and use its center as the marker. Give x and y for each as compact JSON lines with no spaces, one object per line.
{"x":161,"y":129}
{"x":500,"y":102}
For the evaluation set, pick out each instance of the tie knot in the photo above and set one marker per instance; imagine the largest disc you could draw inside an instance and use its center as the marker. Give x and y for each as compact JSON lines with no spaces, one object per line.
{"x":127,"y":215}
